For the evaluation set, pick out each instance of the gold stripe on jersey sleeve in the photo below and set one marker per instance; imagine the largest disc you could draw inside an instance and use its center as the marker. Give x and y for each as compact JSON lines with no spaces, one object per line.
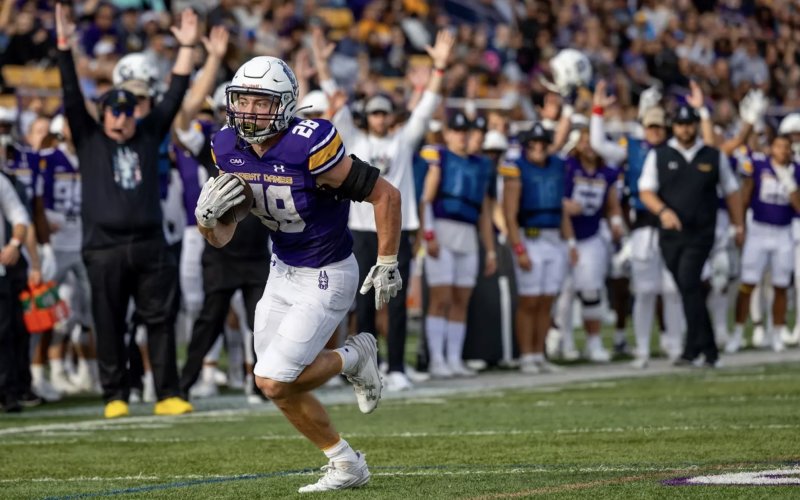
{"x":325,"y":154}
{"x":431,"y":155}
{"x":507,"y":170}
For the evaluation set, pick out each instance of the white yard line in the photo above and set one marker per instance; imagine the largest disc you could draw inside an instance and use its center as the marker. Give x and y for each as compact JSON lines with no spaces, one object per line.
{"x":445,"y":470}
{"x":415,"y":435}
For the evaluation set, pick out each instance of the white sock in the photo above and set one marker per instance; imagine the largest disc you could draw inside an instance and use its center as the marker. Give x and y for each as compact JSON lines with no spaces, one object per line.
{"x":213,"y":353}
{"x":94,"y":371}
{"x":435,"y":331}
{"x":527,"y":358}
{"x":738,"y":331}
{"x":593,"y":342}
{"x":564,"y":316}
{"x":674,"y":319}
{"x":56,"y":368}
{"x":349,"y":358}
{"x":235,"y":347}
{"x":537,"y":357}
{"x":619,"y":336}
{"x":82,"y":369}
{"x":207,"y":375}
{"x":718,"y":305}
{"x":341,"y":452}
{"x":644,"y":307}
{"x":37,"y":373}
{"x":456,"y":333}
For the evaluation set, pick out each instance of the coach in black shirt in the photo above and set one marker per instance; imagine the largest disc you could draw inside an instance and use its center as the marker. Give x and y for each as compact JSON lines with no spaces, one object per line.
{"x":679,"y":184}
{"x":123,"y":241}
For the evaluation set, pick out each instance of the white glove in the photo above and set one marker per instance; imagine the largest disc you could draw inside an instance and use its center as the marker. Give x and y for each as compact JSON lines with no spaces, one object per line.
{"x":385,"y":277}
{"x":217,"y":197}
{"x":720,"y":271}
{"x":785,"y":176}
{"x":649,"y":98}
{"x":753,"y":107}
{"x":47,"y":258}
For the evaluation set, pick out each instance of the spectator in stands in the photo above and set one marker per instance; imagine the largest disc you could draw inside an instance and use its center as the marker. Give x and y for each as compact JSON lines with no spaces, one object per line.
{"x":390,"y":149}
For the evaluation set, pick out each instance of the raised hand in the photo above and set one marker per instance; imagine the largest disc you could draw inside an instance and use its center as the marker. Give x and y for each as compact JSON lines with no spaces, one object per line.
{"x":601,"y":98}
{"x":440,"y":52}
{"x":188,"y":31}
{"x":695,"y":99}
{"x":321,"y":49}
{"x":302,"y":65}
{"x":216,"y":43}
{"x":65,"y":28}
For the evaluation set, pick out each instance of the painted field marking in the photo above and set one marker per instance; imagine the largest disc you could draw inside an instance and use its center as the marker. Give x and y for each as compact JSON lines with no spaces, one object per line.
{"x":777,"y":477}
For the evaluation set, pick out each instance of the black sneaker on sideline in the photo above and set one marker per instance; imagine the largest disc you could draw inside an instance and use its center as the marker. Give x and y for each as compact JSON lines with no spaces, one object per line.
{"x":10,"y":405}
{"x":28,"y":399}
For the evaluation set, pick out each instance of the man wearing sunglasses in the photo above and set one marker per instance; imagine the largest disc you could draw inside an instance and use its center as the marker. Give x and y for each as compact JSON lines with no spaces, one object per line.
{"x":123,"y":245}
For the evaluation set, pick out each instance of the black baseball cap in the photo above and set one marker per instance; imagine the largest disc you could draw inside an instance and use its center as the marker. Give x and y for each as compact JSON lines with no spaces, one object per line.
{"x":459,"y":121}
{"x":119,"y":100}
{"x":535,"y":133}
{"x":479,"y":123}
{"x":685,"y":114}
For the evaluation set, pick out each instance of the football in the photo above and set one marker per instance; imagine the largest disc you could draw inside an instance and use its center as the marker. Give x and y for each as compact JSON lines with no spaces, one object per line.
{"x":240,"y":211}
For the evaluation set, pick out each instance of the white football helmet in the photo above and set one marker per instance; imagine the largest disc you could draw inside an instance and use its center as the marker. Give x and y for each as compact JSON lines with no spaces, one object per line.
{"x":134,"y":66}
{"x":314,"y":103}
{"x":262,"y":77}
{"x":219,"y":98}
{"x":790,"y":124}
{"x":571,"y":69}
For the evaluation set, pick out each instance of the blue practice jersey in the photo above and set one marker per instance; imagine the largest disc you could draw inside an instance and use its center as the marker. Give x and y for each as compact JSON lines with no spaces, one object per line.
{"x":542,"y":190}
{"x":463,"y":185}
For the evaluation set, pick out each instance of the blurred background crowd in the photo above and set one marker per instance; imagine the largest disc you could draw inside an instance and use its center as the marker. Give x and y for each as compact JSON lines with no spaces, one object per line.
{"x":499,"y":67}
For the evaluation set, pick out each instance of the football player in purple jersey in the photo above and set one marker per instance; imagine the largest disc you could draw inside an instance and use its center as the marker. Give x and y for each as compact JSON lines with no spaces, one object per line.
{"x":591,"y":184}
{"x":770,"y":191}
{"x":302,"y":184}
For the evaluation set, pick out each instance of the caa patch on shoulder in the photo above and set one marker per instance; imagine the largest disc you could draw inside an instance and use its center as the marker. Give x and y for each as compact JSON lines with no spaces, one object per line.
{"x":777,"y":477}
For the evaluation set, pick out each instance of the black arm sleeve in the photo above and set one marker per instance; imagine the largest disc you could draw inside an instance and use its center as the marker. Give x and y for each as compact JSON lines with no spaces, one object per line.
{"x":79,"y":119}
{"x":160,"y":119}
{"x":360,"y":180}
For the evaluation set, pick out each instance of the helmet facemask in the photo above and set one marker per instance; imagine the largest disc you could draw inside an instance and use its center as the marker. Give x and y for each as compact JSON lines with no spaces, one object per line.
{"x":264,"y":116}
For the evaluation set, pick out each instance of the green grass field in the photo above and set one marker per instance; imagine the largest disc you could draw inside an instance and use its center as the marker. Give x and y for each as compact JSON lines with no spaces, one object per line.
{"x":608,"y":439}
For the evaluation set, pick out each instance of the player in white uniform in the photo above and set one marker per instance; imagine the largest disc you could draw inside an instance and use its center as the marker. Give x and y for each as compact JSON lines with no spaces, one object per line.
{"x":649,"y":275}
{"x":770,"y":190}
{"x":591,"y":186}
{"x":790,"y":126}
{"x":303,"y":184}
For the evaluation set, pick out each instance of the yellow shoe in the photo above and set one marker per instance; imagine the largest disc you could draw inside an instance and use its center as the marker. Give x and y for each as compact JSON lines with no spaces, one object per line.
{"x":173,"y":406}
{"x":116,"y":409}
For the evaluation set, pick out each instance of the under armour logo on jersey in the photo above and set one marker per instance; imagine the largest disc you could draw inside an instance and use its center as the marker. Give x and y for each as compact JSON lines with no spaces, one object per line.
{"x":323,"y":280}
{"x":279,"y":168}
{"x":673,"y":165}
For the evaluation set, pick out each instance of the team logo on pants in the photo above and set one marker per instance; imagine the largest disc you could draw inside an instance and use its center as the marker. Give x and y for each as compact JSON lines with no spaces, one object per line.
{"x":323,"y":280}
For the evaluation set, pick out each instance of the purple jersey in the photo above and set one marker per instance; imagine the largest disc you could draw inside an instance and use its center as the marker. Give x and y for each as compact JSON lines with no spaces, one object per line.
{"x":59,"y":182}
{"x":590,"y":190}
{"x":308,"y":225}
{"x":193,"y":173}
{"x":770,"y":199}
{"x":22,"y":163}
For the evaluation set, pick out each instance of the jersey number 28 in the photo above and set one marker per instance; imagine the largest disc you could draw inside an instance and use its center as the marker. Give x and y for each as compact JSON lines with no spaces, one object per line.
{"x":275,"y":207}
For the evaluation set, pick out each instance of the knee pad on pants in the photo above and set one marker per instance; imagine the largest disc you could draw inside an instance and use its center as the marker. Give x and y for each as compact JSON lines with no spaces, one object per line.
{"x":592,"y":303}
